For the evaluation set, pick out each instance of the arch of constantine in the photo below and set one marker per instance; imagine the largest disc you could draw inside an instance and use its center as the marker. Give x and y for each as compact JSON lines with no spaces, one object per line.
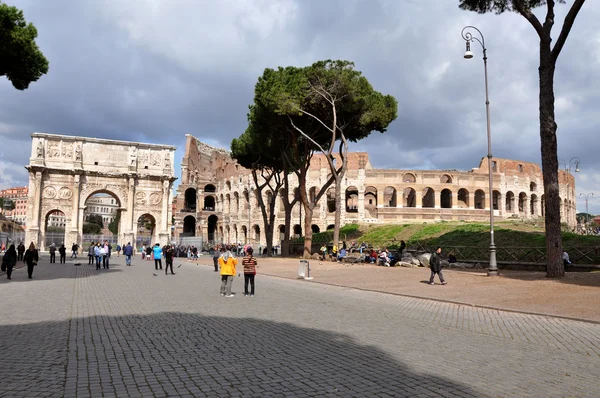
{"x":64,"y":171}
{"x":216,"y":199}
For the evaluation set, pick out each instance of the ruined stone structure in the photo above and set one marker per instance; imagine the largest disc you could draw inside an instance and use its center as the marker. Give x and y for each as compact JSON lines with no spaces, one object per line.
{"x":217,"y":198}
{"x":64,"y":171}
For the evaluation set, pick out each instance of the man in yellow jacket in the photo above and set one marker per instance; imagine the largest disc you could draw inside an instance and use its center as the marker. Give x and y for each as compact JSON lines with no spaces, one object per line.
{"x":227,"y":263}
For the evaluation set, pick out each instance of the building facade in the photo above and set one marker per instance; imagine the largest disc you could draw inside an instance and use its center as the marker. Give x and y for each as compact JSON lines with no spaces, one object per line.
{"x":216,"y":198}
{"x":17,"y":195}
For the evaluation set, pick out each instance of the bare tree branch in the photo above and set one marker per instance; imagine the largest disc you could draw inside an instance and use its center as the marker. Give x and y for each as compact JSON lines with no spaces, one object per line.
{"x":315,"y":143}
{"x":566,"y":29}
{"x":526,"y":12}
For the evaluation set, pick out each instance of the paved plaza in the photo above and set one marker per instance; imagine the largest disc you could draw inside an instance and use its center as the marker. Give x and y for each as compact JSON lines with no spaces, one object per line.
{"x":135,"y":332}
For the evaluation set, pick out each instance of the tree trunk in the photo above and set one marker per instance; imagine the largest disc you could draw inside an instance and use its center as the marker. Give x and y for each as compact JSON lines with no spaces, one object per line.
{"x":338,"y":211}
{"x":308,"y":213}
{"x":554,"y":264}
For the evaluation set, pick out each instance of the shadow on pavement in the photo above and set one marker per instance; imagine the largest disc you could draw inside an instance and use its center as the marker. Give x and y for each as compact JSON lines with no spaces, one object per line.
{"x":203,"y":355}
{"x":589,"y":278}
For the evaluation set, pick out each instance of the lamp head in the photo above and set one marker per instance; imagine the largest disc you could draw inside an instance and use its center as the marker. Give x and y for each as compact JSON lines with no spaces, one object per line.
{"x":468,"y":53}
{"x":577,"y":166}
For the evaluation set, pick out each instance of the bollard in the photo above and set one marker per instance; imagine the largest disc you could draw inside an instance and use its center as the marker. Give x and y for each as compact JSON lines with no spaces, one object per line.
{"x":304,"y":270}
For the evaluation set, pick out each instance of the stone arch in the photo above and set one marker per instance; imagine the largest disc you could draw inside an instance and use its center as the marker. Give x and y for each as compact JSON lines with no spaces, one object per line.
{"x":522,"y":202}
{"x":330,"y":227}
{"x":236,"y":201}
{"x":315,"y":229}
{"x":532,"y":186}
{"x":533,"y":205}
{"x":209,"y":203}
{"x":428,"y":197}
{"x":463,"y":198}
{"x":55,"y":219}
{"x":496,"y":198}
{"x":228,"y":185}
{"x":312,"y":194}
{"x":479,"y":199}
{"x":281,"y":229}
{"x":446,"y":199}
{"x":190,"y":199}
{"x":351,"y":199}
{"x":446,"y":179}
{"x":210,"y":188}
{"x":370,"y":197}
{"x":510,"y":202}
{"x":410,"y":197}
{"x":227,"y":208}
{"x":390,"y":197}
{"x":268,"y":198}
{"x":189,"y":226}
{"x":331,"y":200}
{"x":297,"y":230}
{"x":245,"y":233}
{"x":212,"y":222}
{"x":409,"y":178}
{"x":146,"y":228}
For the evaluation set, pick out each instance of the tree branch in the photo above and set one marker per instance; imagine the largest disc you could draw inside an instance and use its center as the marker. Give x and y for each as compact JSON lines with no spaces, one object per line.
{"x":313,"y":116}
{"x":315,"y":143}
{"x":537,"y":25}
{"x":566,"y":29}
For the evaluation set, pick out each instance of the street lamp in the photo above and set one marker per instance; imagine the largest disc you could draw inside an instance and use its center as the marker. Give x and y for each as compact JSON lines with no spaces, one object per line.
{"x":574,"y":161}
{"x":469,"y":38}
{"x":587,"y":214}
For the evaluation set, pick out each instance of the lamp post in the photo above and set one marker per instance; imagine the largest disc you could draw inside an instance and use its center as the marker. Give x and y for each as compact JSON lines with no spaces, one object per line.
{"x":574,"y":161}
{"x":587,"y":215}
{"x":469,"y":38}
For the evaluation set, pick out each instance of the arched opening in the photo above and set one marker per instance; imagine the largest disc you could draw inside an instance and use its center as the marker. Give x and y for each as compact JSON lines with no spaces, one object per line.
{"x":146,"y":226}
{"x":428,"y":197}
{"x":315,"y":229}
{"x":410,"y":197}
{"x":189,"y":226}
{"x":236,"y":202}
{"x":246,"y":200}
{"x":210,"y":188}
{"x":256,"y":234}
{"x":102,"y":209}
{"x":54,"y":228}
{"x":351,"y":200}
{"x":389,"y":197}
{"x":209,"y":203}
{"x":445,"y":179}
{"x":212,"y":228}
{"x":282,"y":197}
{"x":510,"y":202}
{"x":446,"y":199}
{"x":281,"y":233}
{"x":245,"y":233}
{"x":533,"y":186}
{"x":479,"y":199}
{"x":543,"y":205}
{"x":269,"y":198}
{"x":463,"y":198}
{"x":331,"y":200}
{"x":496,"y":200}
{"x":190,"y":200}
{"x":297,"y":231}
{"x":370,"y":198}
{"x":409,"y":178}
{"x":228,"y":185}
{"x":312,"y":194}
{"x":330,"y":226}
{"x":522,"y":202}
{"x":227,"y":208}
{"x":533,"y":205}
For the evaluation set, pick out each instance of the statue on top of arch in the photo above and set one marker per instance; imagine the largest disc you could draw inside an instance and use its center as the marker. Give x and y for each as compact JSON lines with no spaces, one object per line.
{"x":133,"y":156}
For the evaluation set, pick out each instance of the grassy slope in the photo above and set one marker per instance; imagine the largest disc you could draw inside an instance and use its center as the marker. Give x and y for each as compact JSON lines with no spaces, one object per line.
{"x":507,"y":234}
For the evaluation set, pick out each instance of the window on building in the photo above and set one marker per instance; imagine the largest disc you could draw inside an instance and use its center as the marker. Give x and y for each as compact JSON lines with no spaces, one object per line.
{"x":520,"y":168}
{"x":494,"y":166}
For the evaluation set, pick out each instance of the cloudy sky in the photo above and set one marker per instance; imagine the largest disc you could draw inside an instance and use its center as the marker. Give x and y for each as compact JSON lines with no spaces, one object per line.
{"x":154,"y":70}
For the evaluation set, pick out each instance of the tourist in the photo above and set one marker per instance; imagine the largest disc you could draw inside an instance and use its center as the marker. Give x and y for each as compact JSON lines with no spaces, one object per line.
{"x":435,"y":262}
{"x":384,"y":259}
{"x":323,"y":251}
{"x":149,"y":255}
{"x":31,"y":259}
{"x":342,"y":254}
{"x":250,"y":264}
{"x":52,"y":250}
{"x":106,"y":254}
{"x":216,"y":255}
{"x":169,"y":259}
{"x":91,"y":254}
{"x":9,"y":260}
{"x":62,"y":250}
{"x":565,"y":257}
{"x":74,"y":250}
{"x":128,"y":252}
{"x":227,"y":263}
{"x":143,"y":251}
{"x":98,"y":254}
{"x":20,"y":251}
{"x":118,"y":250}
{"x":157,"y":251}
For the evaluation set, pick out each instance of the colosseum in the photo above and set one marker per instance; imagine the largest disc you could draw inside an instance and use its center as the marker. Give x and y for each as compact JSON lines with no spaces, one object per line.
{"x":216,"y":200}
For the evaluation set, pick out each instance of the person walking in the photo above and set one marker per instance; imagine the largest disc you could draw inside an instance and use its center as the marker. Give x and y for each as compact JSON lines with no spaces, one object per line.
{"x":106,"y":257}
{"x":62,"y":250}
{"x":20,"y":251}
{"x":31,"y":259}
{"x":91,"y":254}
{"x":169,"y":259}
{"x":227,"y":263}
{"x":157,"y":251}
{"x":216,"y":255}
{"x":435,"y":262}
{"x":118,"y":250}
{"x":128,"y":252}
{"x":74,"y":250}
{"x":249,"y":262}
{"x":52,"y":250}
{"x":10,"y":260}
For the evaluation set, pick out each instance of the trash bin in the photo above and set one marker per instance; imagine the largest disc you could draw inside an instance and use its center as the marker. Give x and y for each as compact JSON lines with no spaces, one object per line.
{"x":304,"y":270}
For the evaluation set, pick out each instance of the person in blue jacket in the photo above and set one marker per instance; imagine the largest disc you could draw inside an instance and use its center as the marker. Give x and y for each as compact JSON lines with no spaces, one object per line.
{"x":157,"y":256}
{"x":128,"y":252}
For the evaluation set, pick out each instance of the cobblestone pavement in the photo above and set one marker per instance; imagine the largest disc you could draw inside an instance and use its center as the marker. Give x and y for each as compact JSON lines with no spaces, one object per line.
{"x":135,"y":332}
